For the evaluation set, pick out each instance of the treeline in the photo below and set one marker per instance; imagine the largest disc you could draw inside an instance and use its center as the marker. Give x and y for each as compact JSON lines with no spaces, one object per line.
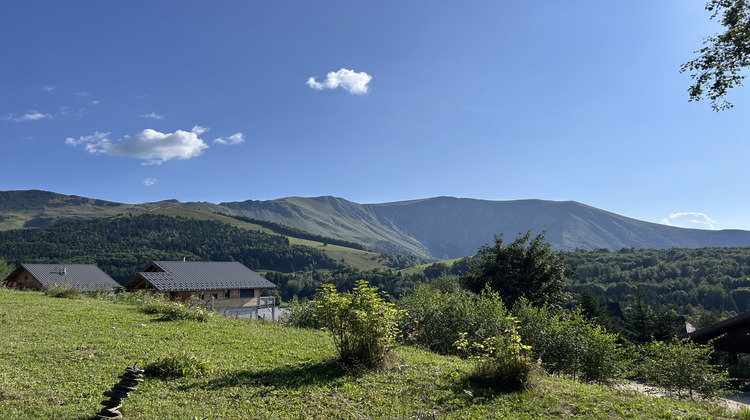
{"x":121,"y":246}
{"x":297,"y":233}
{"x":303,"y":285}
{"x":713,"y":279}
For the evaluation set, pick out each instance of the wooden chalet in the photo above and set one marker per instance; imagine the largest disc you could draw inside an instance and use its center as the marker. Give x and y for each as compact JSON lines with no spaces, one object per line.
{"x":227,"y":286}
{"x":731,"y":335}
{"x":83,"y":277}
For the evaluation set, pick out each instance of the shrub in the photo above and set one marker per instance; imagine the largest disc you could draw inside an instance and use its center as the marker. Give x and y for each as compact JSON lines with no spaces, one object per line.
{"x":61,"y":291}
{"x":192,"y":309}
{"x":435,"y":318}
{"x":178,"y":366}
{"x":302,"y":315}
{"x":682,"y":369}
{"x":502,"y":361}
{"x":568,"y":344}
{"x":361,"y":323}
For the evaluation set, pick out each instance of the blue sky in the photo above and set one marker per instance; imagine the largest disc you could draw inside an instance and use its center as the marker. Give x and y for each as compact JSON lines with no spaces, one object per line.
{"x":137,"y":101}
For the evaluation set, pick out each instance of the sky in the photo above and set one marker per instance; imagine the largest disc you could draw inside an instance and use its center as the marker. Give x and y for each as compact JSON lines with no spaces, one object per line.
{"x":140,"y":101}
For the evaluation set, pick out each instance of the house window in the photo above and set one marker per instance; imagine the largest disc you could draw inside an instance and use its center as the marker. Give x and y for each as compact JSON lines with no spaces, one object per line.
{"x":201,"y":296}
{"x":226,"y":293}
{"x":214,"y":296}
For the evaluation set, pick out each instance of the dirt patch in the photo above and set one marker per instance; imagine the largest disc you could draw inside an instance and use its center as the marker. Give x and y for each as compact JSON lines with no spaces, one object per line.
{"x":733,"y":402}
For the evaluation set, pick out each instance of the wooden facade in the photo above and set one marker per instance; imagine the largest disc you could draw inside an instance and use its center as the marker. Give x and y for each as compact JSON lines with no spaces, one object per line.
{"x":22,"y":280}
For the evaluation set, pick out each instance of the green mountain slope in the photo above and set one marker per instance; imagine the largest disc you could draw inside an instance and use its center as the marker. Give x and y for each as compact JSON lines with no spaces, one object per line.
{"x":432,"y":228}
{"x":447,"y":227}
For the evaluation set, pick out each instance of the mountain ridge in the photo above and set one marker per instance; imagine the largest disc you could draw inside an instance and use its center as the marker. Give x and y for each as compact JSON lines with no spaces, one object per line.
{"x":430,"y":228}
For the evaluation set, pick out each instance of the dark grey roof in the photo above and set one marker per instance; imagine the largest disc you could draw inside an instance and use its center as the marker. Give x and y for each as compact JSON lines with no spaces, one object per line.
{"x":84,"y":277}
{"x":732,"y":335}
{"x":176,"y":276}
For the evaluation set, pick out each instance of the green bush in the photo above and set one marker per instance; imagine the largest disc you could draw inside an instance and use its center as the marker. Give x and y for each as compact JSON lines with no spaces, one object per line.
{"x":567,"y":343}
{"x":178,"y":366}
{"x":502,"y":361}
{"x":61,"y":291}
{"x":302,"y":315}
{"x":682,"y":369}
{"x":435,"y":318}
{"x":361,"y":323}
{"x":192,"y":309}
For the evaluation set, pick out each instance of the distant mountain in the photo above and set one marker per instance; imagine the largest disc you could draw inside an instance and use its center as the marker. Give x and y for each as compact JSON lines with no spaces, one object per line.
{"x":431,"y":228}
{"x":447,"y":227}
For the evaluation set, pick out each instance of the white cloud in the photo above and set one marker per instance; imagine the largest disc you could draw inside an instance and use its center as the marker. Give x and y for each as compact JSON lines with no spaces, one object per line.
{"x":153,"y":116}
{"x":199,"y":130}
{"x":48,"y":88}
{"x":94,"y":102}
{"x":235,"y":138}
{"x":689,"y":220}
{"x":149,"y":181}
{"x":30,"y":115}
{"x":97,"y":137}
{"x":150,"y":145}
{"x":349,"y":80}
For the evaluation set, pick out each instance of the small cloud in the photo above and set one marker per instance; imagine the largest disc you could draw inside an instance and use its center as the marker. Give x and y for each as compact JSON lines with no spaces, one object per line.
{"x":349,"y":80}
{"x":94,"y":102}
{"x":235,"y":138}
{"x":149,"y":181}
{"x":82,"y":94}
{"x":97,"y":137}
{"x":153,"y":116}
{"x":199,"y":130}
{"x":66,"y":110}
{"x":48,"y":88}
{"x":689,"y":220}
{"x":149,"y":145}
{"x":30,"y":115}
{"x":141,"y":96}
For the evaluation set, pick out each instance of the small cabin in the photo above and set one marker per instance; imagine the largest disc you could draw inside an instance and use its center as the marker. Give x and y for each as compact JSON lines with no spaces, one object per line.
{"x":731,"y":335}
{"x":227,"y":286}
{"x":83,"y":277}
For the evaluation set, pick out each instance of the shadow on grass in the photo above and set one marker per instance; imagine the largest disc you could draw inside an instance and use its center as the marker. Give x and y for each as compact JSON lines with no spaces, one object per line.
{"x":283,"y":377}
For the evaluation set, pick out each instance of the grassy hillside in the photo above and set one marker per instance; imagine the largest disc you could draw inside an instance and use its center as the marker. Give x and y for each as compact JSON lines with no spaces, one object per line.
{"x":59,"y":355}
{"x":358,"y":258}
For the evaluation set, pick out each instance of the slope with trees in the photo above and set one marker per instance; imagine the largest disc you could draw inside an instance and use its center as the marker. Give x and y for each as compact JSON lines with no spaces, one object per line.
{"x":122,"y":245}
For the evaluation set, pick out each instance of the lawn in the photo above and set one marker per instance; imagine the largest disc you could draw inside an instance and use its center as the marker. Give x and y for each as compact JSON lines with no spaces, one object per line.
{"x":58,"y":356}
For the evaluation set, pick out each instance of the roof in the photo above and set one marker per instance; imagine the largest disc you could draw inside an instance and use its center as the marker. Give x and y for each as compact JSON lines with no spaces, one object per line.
{"x":178,"y":276}
{"x":733,"y":334}
{"x":84,"y":277}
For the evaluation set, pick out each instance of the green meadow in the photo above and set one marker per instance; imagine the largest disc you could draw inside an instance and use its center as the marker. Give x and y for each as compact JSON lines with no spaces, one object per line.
{"x":58,"y":355}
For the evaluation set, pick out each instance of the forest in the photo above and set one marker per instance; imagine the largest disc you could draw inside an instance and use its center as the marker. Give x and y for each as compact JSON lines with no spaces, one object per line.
{"x":121,"y":246}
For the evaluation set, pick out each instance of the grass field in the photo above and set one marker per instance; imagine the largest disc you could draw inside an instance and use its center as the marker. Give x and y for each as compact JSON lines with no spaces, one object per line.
{"x":58,"y":355}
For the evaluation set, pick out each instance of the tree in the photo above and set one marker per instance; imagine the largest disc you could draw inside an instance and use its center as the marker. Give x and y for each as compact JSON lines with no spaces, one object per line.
{"x":527,"y":268}
{"x":723,"y":56}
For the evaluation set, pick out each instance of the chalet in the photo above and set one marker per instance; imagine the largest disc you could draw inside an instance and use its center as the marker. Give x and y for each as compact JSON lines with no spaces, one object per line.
{"x":228,"y":286}
{"x":84,"y":277}
{"x":731,"y":335}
